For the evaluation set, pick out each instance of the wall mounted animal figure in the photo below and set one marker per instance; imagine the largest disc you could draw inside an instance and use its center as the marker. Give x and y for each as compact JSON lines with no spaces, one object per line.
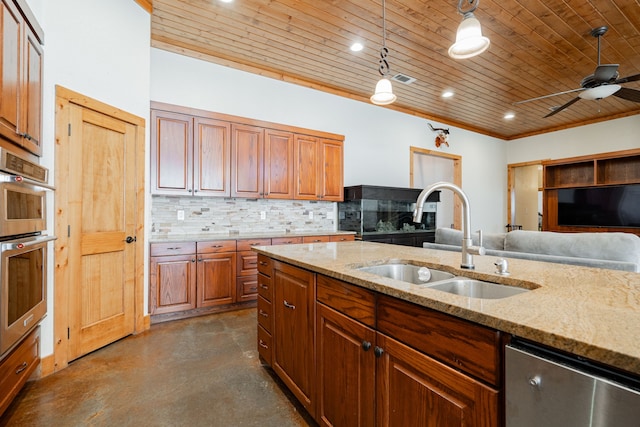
{"x":442,"y":137}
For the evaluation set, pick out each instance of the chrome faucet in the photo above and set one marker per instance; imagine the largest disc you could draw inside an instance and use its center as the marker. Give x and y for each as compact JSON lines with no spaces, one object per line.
{"x":468,"y":250}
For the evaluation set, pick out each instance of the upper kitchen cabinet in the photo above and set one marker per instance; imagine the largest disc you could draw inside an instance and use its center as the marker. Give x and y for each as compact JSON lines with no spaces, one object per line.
{"x":319,"y":168}
{"x":190,"y":155}
{"x":21,"y":76}
{"x":261,"y":163}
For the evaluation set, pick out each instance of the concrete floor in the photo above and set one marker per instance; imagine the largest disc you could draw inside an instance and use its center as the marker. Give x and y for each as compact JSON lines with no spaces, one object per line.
{"x":202,"y":371}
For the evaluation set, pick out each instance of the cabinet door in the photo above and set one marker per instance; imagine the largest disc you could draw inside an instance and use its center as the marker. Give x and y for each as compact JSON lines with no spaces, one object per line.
{"x":10,"y":70}
{"x":216,"y":279}
{"x":171,"y":153}
{"x":415,"y":390}
{"x":211,"y":158}
{"x":346,"y":370}
{"x":293,"y":334}
{"x":247,"y":144}
{"x":331,"y":174}
{"x":278,"y":165}
{"x":32,"y":93}
{"x":306,"y":167}
{"x":172,"y":283}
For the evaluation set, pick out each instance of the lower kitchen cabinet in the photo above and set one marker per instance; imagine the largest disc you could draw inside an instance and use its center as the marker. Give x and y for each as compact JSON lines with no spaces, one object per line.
{"x":293,"y":331}
{"x":380,"y":360}
{"x":172,"y":277}
{"x":216,"y":283}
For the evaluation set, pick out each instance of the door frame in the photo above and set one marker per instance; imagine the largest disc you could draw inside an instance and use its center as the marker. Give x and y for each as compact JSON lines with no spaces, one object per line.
{"x":62,"y":286}
{"x":457,"y":176}
{"x":511,"y":190}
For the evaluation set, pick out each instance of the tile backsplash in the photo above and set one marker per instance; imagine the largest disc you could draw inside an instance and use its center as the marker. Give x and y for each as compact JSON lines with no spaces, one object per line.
{"x":222,"y":216}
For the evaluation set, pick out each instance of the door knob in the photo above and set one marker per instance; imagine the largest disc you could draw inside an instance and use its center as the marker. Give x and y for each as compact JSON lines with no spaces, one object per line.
{"x":130,"y":239}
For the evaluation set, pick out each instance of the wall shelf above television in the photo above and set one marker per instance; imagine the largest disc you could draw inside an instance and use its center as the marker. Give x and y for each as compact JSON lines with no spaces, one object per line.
{"x":604,"y":170}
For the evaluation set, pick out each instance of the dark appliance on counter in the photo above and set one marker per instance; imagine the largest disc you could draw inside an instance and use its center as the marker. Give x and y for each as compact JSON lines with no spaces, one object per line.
{"x":385,"y":214}
{"x":23,"y":248}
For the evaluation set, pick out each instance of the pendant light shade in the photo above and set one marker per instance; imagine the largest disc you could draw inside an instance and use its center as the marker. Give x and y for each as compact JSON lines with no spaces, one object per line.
{"x":469,"y":39}
{"x":384,"y":92}
{"x":599,"y":92}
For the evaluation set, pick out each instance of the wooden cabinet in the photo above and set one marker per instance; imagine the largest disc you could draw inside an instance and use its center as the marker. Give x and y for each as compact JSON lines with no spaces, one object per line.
{"x":265,"y":309}
{"x":20,"y":77}
{"x":216,"y":283}
{"x":619,"y":168}
{"x":17,"y":367}
{"x":172,"y":277}
{"x":380,"y":360}
{"x":247,"y":268}
{"x":262,"y":163}
{"x":293,"y":331}
{"x":190,"y":155}
{"x":319,"y":169}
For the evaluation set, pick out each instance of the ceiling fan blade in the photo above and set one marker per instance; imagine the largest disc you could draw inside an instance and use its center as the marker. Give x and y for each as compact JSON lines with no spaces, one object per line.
{"x":627,"y":79}
{"x":605,"y":72}
{"x":628,"y":94}
{"x":548,"y":96}
{"x":562,"y":107}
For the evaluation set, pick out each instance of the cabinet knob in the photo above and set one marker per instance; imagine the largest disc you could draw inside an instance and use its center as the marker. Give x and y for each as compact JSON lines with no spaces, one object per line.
{"x":193,"y":260}
{"x":378,"y":351}
{"x":366,"y":345}
{"x":289,"y":305}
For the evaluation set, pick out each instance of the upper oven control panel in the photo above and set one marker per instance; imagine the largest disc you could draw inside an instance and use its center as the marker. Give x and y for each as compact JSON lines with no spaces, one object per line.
{"x":14,"y":164}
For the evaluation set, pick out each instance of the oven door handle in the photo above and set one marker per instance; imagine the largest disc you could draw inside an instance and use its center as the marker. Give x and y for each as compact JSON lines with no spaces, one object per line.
{"x":22,"y":243}
{"x":24,"y":180}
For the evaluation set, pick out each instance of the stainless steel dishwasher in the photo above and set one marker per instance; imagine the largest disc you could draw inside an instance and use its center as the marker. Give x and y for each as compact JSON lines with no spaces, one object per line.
{"x":549,"y":389}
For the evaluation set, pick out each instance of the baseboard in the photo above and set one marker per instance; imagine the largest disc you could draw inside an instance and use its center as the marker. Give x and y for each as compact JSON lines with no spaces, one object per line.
{"x":47,"y":365}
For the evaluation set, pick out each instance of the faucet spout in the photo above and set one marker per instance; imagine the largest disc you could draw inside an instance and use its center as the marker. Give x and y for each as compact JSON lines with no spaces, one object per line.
{"x":467,"y":244}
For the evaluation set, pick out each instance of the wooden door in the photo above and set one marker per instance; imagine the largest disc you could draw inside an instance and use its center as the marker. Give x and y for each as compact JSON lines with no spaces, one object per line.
{"x":11,"y":24}
{"x":32,"y":93}
{"x":216,"y":279}
{"x":293,"y":313}
{"x":307,"y":165}
{"x":211,"y":157}
{"x":247,"y":144}
{"x":172,"y":283}
{"x":415,"y":390}
{"x":278,"y":164}
{"x":171,"y":153}
{"x":346,"y":370}
{"x":330,"y":172}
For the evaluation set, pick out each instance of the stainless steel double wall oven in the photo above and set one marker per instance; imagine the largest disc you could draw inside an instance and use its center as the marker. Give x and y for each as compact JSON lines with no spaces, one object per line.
{"x":23,"y":247}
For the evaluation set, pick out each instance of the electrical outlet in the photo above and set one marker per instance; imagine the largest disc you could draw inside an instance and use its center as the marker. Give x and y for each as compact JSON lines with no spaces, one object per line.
{"x":263,"y":215}
{"x":310,"y":214}
{"x":180,"y":215}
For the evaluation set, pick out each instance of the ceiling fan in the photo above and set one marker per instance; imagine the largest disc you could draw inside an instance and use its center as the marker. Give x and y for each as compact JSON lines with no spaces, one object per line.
{"x":602,"y":83}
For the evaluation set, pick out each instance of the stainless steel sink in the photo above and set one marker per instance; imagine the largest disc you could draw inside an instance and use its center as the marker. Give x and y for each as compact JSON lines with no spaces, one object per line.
{"x":476,"y":288}
{"x":407,"y":272}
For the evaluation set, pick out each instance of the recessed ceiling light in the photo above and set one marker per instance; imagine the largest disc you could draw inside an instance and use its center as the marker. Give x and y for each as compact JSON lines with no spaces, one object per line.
{"x":356,"y":47}
{"x":226,"y":1}
{"x":509,"y":116}
{"x":447,"y":94}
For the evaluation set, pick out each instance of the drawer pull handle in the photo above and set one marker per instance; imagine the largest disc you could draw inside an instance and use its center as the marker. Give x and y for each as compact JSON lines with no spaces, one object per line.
{"x":263,"y":286}
{"x":262,"y":344}
{"x":263,"y":263}
{"x":22,"y":367}
{"x":263,"y":313}
{"x":289,"y":305}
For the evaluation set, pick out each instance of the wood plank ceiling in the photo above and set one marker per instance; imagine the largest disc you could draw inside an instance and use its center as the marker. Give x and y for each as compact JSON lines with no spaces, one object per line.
{"x":538,"y":47}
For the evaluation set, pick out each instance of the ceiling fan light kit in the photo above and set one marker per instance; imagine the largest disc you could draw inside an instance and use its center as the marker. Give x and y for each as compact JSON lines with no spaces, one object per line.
{"x":384,"y":91}
{"x":599,"y":92}
{"x":469,"y":39}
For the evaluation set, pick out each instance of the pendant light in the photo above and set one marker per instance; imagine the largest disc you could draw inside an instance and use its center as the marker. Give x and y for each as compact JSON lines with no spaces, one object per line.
{"x":469,"y":39}
{"x":384,"y":92}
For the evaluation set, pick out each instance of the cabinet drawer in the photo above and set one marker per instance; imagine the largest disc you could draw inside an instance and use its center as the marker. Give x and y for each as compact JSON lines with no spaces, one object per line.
{"x":286,"y":240}
{"x":265,"y":290}
{"x":175,"y":248}
{"x":264,"y":345}
{"x":247,"y":288}
{"x":265,"y":266}
{"x":247,"y":244}
{"x":247,"y":263}
{"x":348,"y":299}
{"x":216,"y":246}
{"x":465,"y":346}
{"x":315,"y":239}
{"x":343,"y":238}
{"x":17,"y":367}
{"x":265,"y":315}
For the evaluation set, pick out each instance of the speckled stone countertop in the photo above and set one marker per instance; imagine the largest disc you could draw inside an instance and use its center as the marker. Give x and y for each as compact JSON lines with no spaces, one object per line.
{"x":266,"y":235}
{"x":590,"y":312}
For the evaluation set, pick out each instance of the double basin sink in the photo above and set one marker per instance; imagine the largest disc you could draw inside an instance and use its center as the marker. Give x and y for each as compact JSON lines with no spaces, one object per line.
{"x":442,"y":280}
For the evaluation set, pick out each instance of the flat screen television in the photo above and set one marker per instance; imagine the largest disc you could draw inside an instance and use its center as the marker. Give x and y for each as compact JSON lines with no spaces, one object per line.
{"x":612,"y":206}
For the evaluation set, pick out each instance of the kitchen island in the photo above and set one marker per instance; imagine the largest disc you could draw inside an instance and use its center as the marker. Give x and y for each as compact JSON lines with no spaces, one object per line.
{"x":318,"y":308}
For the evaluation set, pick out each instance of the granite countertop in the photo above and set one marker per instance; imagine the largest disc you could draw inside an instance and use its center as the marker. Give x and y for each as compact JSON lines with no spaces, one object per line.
{"x":590,"y":312}
{"x":204,"y":237}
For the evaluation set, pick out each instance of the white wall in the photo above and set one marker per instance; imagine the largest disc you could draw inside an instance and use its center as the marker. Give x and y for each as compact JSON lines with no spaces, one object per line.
{"x":377,"y":139}
{"x":97,"y":48}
